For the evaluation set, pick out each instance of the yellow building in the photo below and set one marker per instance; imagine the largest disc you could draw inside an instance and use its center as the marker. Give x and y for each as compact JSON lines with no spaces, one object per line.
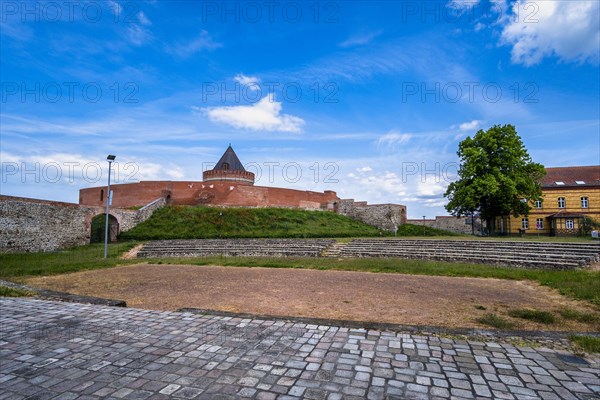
{"x":568,"y":195}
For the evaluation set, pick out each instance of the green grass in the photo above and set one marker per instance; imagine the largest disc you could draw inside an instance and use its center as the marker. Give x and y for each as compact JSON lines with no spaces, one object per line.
{"x":585,"y":317}
{"x":590,"y":344}
{"x":13,"y":292}
{"x":186,"y":222}
{"x":543,"y":317}
{"x":15,"y":266}
{"x":495,"y":321}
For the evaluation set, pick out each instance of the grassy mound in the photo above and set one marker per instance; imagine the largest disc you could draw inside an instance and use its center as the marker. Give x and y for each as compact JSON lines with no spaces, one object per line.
{"x":187,"y":222}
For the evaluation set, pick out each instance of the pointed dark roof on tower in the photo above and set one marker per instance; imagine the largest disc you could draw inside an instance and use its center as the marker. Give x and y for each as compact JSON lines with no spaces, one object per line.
{"x":229,"y":161}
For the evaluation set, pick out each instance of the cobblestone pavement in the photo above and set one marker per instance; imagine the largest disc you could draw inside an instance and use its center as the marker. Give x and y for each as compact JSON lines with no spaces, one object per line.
{"x":74,"y":351}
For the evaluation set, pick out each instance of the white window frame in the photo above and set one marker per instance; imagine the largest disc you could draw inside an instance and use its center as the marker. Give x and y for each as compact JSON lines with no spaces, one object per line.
{"x":562,"y":202}
{"x":539,"y":223}
{"x":585,"y":202}
{"x":570,"y":224}
{"x":525,"y":223}
{"x":539,"y":204}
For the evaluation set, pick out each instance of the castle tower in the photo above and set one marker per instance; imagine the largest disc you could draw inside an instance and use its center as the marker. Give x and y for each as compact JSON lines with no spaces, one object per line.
{"x":229,"y":168}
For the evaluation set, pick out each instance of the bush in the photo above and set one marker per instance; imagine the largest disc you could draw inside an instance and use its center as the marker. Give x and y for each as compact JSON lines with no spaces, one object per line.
{"x":587,"y":226}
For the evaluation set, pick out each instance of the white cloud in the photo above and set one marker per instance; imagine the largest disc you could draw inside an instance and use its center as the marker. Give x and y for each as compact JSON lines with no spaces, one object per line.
{"x":251,"y":82}
{"x":392,"y":140}
{"x":115,"y":7}
{"x":462,"y":4}
{"x":364,"y":169}
{"x":75,"y":169}
{"x":565,"y":29}
{"x":202,"y":42}
{"x":360,"y":40}
{"x":138,"y":35}
{"x":379,"y":186}
{"x":429,"y":187}
{"x":470,"y":126}
{"x":264,"y":115}
{"x":143,"y":19}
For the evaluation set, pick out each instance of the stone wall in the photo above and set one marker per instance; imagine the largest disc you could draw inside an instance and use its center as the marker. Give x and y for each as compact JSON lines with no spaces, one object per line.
{"x":146,"y":212}
{"x":31,"y":225}
{"x":383,"y":216}
{"x":453,"y":224}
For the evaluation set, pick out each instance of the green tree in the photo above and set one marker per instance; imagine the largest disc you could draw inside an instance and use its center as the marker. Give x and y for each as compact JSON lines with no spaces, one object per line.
{"x":495,"y":174}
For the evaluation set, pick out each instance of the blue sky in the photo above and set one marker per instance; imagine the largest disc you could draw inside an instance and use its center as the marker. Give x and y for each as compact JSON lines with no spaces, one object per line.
{"x":369,"y":99}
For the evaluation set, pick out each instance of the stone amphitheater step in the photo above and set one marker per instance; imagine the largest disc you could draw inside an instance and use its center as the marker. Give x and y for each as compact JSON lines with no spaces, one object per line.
{"x":474,"y":244}
{"x":235,"y":247}
{"x":590,"y":250}
{"x":334,"y":250}
{"x":525,"y":254}
{"x":544,"y":253}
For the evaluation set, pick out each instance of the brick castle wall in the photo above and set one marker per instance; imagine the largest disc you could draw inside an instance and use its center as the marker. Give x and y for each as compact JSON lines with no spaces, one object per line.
{"x":219,"y":193}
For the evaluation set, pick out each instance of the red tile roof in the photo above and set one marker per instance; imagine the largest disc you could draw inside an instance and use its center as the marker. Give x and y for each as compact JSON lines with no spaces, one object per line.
{"x":590,"y":176}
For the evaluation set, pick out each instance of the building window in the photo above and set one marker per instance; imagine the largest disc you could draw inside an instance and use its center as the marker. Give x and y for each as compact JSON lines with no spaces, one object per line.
{"x":101,"y":195}
{"x":538,"y":204}
{"x":225,"y":167}
{"x":569,"y":224}
{"x":539,"y":223}
{"x":525,"y":223}
{"x":585,"y":202}
{"x":561,"y":202}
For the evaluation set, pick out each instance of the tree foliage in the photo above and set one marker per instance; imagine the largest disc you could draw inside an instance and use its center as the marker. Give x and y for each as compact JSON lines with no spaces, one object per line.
{"x":495,"y":174}
{"x":587,"y":225}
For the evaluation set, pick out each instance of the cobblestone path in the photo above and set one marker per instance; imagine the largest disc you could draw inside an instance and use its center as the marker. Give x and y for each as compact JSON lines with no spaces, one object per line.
{"x":75,"y":351}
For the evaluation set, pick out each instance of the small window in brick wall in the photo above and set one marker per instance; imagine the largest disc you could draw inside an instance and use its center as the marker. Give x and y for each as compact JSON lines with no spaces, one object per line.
{"x":101,"y":195}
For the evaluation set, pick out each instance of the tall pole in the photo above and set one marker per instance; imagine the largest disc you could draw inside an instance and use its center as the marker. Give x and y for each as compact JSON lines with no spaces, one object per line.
{"x":110,"y":160}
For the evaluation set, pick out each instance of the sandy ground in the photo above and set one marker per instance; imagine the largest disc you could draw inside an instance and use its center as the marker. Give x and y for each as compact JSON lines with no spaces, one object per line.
{"x":361,"y":296}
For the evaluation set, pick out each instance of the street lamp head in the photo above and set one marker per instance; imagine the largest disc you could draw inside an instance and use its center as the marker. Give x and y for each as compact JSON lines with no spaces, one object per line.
{"x":111,"y":158}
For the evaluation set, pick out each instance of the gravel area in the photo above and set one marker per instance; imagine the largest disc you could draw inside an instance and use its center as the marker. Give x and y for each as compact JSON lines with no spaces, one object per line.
{"x":359,"y":296}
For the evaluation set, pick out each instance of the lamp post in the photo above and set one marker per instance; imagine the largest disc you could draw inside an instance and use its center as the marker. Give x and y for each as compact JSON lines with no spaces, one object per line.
{"x":110,"y":159}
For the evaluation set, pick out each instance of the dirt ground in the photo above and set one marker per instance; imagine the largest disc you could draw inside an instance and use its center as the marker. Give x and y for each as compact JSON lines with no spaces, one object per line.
{"x":361,"y":296}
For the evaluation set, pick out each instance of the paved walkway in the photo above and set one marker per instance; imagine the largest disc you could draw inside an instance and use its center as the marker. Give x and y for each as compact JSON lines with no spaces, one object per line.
{"x":68,"y":351}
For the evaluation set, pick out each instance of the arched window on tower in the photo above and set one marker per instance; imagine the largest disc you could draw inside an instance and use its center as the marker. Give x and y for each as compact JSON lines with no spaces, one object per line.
{"x":225,"y":166}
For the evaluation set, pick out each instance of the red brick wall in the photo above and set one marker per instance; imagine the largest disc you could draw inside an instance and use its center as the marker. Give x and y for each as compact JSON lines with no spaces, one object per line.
{"x":225,"y":193}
